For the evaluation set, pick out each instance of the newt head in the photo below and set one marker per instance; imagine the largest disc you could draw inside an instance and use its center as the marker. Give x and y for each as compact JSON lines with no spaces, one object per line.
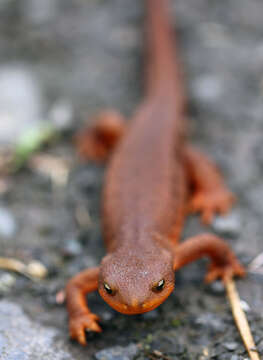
{"x":135,"y":283}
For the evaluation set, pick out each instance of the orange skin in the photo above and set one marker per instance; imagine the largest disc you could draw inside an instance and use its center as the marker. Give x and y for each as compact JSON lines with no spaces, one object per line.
{"x":154,"y":177}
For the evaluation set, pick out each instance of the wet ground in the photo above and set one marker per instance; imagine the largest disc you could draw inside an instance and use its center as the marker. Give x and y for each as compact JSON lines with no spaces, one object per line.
{"x":62,"y":61}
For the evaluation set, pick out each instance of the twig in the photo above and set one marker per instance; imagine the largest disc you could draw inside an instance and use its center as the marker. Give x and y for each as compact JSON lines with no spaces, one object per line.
{"x":34,"y":270}
{"x":55,"y":167}
{"x":241,"y":320}
{"x":257,"y":262}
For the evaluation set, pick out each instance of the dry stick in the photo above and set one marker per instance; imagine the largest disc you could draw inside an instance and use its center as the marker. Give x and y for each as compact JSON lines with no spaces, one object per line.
{"x":241,"y":320}
{"x":34,"y":270}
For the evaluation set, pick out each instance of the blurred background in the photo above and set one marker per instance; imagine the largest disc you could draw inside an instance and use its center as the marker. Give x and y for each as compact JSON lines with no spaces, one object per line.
{"x":61,"y":62}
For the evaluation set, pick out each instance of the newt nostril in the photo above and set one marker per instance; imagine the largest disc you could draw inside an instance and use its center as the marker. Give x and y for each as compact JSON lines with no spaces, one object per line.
{"x":134,"y":302}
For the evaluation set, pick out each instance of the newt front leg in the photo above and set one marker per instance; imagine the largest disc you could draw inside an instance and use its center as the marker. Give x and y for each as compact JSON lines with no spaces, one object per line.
{"x":80,"y":317}
{"x":224,"y":263}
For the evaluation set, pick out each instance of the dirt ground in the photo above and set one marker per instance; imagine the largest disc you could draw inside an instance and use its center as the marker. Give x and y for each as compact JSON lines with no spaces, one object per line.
{"x":87,"y":55}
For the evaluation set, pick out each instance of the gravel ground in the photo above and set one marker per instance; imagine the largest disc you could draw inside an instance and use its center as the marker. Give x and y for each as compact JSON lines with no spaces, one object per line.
{"x":62,"y":61}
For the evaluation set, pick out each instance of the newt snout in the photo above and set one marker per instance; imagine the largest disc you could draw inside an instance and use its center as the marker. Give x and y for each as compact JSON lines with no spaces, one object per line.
{"x":131,"y":305}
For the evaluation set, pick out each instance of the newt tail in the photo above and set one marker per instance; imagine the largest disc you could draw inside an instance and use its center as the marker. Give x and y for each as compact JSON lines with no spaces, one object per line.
{"x":153,"y":178}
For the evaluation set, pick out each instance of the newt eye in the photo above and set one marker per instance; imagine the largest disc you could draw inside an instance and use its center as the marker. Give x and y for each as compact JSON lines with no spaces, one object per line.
{"x":109,"y":290}
{"x":159,"y":286}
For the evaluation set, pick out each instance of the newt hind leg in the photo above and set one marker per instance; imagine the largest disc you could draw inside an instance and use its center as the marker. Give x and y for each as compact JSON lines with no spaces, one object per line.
{"x":97,"y":142}
{"x":210,"y":196}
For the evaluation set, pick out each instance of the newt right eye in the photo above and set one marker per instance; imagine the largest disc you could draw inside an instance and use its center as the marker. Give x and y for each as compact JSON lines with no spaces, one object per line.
{"x":159,"y":286}
{"x":109,"y":290}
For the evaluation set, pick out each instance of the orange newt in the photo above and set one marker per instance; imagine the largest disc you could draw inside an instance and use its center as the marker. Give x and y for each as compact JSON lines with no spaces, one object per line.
{"x":153,"y":178}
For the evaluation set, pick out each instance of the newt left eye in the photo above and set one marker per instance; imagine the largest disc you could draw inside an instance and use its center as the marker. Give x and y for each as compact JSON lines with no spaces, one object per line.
{"x":159,"y":286}
{"x":109,"y":290}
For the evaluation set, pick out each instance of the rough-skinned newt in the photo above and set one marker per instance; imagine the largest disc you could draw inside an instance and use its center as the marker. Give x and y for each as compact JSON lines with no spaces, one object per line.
{"x":154,"y":177}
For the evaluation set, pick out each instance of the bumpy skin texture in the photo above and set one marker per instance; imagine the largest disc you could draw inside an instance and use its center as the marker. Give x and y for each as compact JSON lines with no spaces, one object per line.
{"x":153,"y":179}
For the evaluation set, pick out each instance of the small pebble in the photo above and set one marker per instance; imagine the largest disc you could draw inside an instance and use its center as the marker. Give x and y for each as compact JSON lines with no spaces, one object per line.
{"x":60,"y":297}
{"x":7,"y":223}
{"x":168,"y":345}
{"x":118,"y":353}
{"x":207,"y":88}
{"x":158,"y":354}
{"x":39,"y":12}
{"x":62,"y":114}
{"x":244,"y":305}
{"x":217,"y":287}
{"x":21,"y":101}
{"x":229,"y":225}
{"x":231,"y":346}
{"x":7,"y":281}
{"x":107,"y":315}
{"x":210,"y":321}
{"x":72,"y":248}
{"x":234,"y":357}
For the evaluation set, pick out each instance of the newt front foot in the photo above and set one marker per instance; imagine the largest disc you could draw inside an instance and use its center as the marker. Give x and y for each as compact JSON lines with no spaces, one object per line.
{"x":80,"y":323}
{"x":96,"y":142}
{"x":211,"y":203}
{"x":224,"y":272}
